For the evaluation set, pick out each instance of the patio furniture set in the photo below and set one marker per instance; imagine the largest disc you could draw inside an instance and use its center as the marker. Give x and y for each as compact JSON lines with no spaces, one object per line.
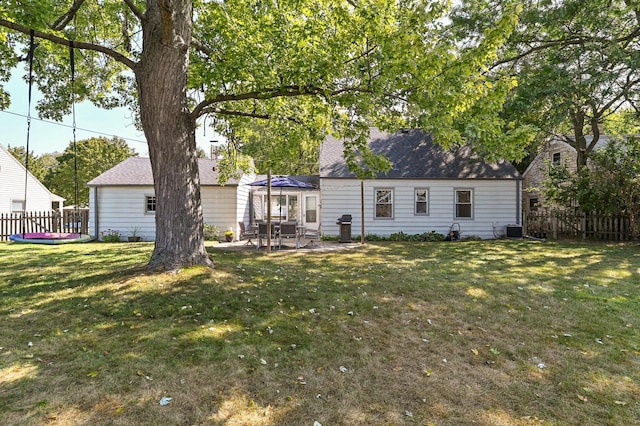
{"x":280,"y":231}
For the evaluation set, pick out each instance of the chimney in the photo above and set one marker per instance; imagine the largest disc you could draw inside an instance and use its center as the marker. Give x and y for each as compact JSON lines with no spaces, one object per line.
{"x":214,"y":150}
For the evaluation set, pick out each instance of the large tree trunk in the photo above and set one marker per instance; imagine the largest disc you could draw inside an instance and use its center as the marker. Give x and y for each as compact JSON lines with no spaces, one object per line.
{"x":579,"y":142}
{"x":170,"y":132}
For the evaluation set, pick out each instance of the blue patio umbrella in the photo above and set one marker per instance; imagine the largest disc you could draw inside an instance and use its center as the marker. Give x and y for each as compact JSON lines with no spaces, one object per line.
{"x":283,"y":182}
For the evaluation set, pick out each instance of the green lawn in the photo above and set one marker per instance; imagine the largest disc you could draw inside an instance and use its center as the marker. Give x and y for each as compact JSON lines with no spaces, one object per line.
{"x":488,"y":333}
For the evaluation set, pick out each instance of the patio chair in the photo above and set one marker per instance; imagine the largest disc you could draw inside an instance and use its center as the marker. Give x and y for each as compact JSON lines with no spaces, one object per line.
{"x":248,"y":234}
{"x":289,"y":230}
{"x":312,"y":235}
{"x":263,"y":233}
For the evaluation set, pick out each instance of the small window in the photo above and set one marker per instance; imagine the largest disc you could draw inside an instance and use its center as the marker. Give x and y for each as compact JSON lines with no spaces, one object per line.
{"x":150,"y":204}
{"x":556,"y":159}
{"x":533,"y":204}
{"x":384,"y":203}
{"x":17,"y":206}
{"x":292,"y":207}
{"x":464,"y":203}
{"x":278,"y":207}
{"x":422,"y":202}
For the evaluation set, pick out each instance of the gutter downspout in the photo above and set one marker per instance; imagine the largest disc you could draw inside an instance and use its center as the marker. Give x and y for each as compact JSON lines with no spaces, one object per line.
{"x":518,"y":202}
{"x":95,"y":211}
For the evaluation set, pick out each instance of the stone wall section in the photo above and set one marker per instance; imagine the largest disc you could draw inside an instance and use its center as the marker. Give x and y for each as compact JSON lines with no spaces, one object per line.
{"x":532,"y":199}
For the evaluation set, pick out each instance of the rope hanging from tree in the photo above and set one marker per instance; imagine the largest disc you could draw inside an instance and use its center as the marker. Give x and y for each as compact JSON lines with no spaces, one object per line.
{"x":30,"y":59}
{"x":26,"y":155}
{"x":73,"y":125}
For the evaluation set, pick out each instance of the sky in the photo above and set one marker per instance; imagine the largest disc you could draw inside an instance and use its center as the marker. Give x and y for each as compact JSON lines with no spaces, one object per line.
{"x":48,"y":136}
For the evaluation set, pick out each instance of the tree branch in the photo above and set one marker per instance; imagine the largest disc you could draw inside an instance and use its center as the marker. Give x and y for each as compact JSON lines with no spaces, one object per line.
{"x":222,"y":111}
{"x":139,"y":14}
{"x":201,"y":47}
{"x":566,"y":42}
{"x":62,"y":21}
{"x":77,"y":44}
{"x":281,"y":92}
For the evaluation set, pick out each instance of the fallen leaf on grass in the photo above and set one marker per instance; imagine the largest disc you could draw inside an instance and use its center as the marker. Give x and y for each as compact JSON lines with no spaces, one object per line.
{"x":92,"y":374}
{"x":475,"y":351}
{"x":620,"y":403}
{"x":582,"y":398}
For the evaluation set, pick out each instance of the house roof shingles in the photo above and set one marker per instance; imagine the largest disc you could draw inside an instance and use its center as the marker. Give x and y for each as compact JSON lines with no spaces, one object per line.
{"x":136,"y":171}
{"x":414,"y":155}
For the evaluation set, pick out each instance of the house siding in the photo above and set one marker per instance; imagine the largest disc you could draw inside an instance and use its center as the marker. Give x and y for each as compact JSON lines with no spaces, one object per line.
{"x":219,"y":207}
{"x":12,"y":179}
{"x":494,"y":202}
{"x":537,"y":171}
{"x":123,"y":207}
{"x":243,"y":209}
{"x":120,"y":209}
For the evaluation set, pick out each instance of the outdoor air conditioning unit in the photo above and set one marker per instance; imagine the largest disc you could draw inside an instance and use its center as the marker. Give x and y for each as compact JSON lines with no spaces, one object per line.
{"x":514,"y":231}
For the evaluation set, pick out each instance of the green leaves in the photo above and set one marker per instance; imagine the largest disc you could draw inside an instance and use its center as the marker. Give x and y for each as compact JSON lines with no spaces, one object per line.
{"x":575,"y":62}
{"x":94,"y":156}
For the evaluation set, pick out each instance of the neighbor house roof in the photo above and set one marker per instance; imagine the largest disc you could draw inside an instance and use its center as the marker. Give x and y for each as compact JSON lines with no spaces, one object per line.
{"x":136,"y":171}
{"x":19,"y":165}
{"x":414,"y":155}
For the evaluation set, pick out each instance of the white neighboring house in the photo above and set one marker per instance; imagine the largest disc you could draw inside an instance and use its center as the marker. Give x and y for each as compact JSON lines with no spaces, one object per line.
{"x":427,"y":189}
{"x":123,"y":198}
{"x":12,"y":194}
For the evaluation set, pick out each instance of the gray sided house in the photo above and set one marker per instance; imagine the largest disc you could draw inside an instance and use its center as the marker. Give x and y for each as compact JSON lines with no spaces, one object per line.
{"x":427,"y":189}
{"x":123,"y":199}
{"x":554,"y":153}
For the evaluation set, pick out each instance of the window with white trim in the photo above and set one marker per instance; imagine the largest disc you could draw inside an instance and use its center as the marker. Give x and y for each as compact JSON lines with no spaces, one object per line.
{"x":150,"y":204}
{"x":311,"y":209}
{"x":421,"y":207}
{"x":464,"y":204}
{"x":384,"y":203}
{"x":17,"y":206}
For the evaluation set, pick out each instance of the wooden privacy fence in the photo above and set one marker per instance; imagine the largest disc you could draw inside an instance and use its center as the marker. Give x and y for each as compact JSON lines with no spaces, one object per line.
{"x":595,"y":226}
{"x":51,"y":221}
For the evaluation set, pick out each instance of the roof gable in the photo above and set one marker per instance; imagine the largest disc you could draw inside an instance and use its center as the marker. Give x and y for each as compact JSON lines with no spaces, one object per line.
{"x":552,"y":145}
{"x":136,"y":171}
{"x":414,"y":155}
{"x":18,"y":167}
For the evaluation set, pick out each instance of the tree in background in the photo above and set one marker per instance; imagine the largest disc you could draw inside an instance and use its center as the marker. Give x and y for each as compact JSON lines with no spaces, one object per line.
{"x":94,"y":157}
{"x":576,"y":61}
{"x":277,"y":146}
{"x":610,"y":184}
{"x":623,"y":124}
{"x":39,"y":165}
{"x":336,"y":66}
